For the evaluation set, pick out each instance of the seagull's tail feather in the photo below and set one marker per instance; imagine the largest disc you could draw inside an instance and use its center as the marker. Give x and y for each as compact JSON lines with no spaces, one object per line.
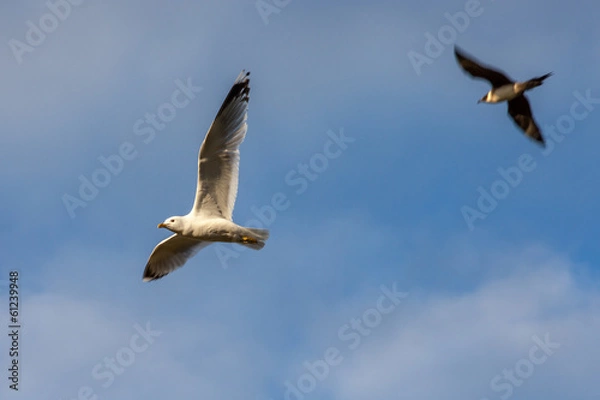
{"x":535,"y":82}
{"x":255,"y":238}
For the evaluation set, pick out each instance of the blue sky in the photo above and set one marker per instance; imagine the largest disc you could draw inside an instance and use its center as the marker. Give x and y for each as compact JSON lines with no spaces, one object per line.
{"x":384,"y":214}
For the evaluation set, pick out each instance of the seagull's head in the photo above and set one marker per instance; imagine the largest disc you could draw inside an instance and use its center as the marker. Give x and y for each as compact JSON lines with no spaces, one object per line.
{"x":483,"y":99}
{"x":174,"y":224}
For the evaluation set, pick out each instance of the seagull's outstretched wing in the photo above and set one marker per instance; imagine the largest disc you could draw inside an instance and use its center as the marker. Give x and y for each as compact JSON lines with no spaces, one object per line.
{"x":171,"y":254}
{"x":219,"y":157}
{"x":478,"y":70}
{"x":519,"y":110}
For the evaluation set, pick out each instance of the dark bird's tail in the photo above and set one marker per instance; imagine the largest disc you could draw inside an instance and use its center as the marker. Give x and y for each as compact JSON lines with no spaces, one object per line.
{"x":535,"y":82}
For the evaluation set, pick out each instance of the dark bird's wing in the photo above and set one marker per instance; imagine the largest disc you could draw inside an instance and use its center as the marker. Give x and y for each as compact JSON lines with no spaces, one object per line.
{"x":478,"y":70}
{"x":171,"y":254}
{"x":520,"y":112}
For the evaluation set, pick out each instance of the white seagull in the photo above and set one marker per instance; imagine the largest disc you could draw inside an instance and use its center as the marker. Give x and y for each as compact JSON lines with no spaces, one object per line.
{"x":210,"y":220}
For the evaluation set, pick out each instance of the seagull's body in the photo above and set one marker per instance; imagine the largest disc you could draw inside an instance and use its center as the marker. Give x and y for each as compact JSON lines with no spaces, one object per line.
{"x":505,"y":89}
{"x":210,"y":219}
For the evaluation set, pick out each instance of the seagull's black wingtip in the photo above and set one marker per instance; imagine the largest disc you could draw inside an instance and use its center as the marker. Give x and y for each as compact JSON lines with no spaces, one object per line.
{"x":151,"y":277}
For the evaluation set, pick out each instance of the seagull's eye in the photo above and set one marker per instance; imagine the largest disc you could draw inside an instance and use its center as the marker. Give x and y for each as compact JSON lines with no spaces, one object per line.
{"x":172,"y":220}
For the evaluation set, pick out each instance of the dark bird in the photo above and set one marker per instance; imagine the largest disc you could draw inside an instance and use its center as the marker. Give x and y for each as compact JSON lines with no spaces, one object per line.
{"x":505,"y":89}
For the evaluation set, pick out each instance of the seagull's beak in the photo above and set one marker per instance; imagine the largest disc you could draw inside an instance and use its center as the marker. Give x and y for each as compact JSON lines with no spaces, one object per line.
{"x":161,"y":225}
{"x":478,"y":101}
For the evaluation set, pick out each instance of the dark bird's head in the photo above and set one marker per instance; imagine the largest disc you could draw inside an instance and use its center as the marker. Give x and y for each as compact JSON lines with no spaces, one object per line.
{"x":483,"y":99}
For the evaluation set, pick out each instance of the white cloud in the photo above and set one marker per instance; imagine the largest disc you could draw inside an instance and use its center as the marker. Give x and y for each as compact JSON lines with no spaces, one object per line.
{"x":452,"y":346}
{"x":66,"y":339}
